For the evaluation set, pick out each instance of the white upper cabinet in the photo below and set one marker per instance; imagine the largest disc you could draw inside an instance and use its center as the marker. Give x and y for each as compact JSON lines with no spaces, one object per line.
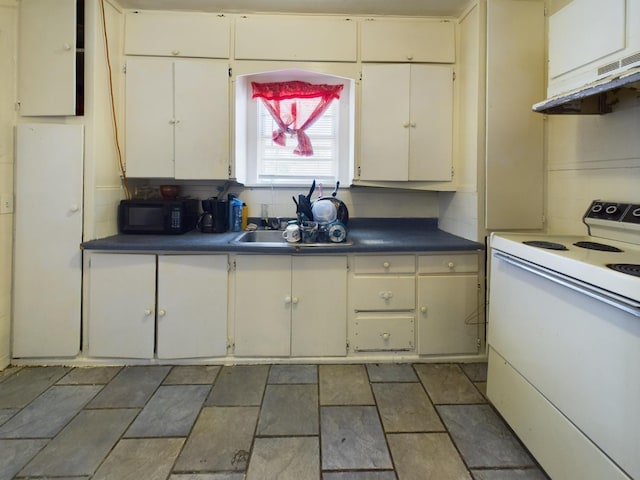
{"x":407,"y":40}
{"x":295,"y":37}
{"x":47,"y":57}
{"x":406,"y":131}
{"x":177,"y":34}
{"x":177,"y":118}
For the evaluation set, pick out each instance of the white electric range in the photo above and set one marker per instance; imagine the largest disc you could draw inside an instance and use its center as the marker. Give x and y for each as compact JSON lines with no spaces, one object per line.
{"x":564,"y":343}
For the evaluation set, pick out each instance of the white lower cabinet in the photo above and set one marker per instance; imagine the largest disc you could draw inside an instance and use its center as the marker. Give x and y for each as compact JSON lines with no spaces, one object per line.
{"x":448,"y":304}
{"x":290,"y":305}
{"x":122,"y":306}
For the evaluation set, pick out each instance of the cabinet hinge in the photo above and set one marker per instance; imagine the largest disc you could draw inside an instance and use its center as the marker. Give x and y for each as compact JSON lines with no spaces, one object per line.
{"x":124,"y":68}
{"x":478,"y":342}
{"x":231,"y":346}
{"x":17,"y":106}
{"x":230,"y":72}
{"x":359,"y":171}
{"x":233,"y":265}
{"x":454,"y":75}
{"x":348,"y":345}
{"x":229,"y":169}
{"x":452,"y":172}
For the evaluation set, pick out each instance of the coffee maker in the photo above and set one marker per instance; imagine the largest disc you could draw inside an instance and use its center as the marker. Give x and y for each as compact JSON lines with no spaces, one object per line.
{"x":215,"y":216}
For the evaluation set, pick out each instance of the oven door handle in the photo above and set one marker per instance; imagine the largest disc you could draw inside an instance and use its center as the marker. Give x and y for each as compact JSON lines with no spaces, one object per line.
{"x":622,"y":303}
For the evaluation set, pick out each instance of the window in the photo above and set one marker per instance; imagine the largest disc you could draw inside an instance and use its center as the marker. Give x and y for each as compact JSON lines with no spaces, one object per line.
{"x":260,"y":161}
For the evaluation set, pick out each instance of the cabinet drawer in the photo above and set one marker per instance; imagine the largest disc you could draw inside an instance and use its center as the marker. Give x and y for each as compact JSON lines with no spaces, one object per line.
{"x":383,"y":333}
{"x":377,"y":264}
{"x":177,"y":34}
{"x":448,"y":263}
{"x":382,"y":293}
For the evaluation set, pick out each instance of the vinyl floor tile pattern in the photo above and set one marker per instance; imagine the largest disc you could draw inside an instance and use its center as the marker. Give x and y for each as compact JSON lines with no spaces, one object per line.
{"x":256,"y":422}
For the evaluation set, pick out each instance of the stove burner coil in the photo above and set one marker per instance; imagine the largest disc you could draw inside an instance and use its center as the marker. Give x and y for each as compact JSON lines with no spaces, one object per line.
{"x":545,"y":244}
{"x":628,"y":268}
{"x":597,"y":246}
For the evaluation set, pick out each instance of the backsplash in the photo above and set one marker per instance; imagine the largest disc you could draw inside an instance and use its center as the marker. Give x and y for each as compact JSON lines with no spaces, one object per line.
{"x":590,"y":157}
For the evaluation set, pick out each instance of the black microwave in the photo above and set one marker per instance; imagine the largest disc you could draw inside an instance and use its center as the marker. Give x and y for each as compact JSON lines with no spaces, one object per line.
{"x":157,"y":216}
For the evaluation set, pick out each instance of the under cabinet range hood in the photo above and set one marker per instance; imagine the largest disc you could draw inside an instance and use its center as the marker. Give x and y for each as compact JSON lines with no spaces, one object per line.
{"x":598,"y":97}
{"x":594,"y":56}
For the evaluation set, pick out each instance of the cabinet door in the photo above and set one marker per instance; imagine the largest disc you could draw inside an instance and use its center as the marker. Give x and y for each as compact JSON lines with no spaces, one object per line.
{"x":431,"y":123}
{"x":300,"y":38}
{"x":47,"y":279}
{"x":185,"y":34}
{"x":47,"y":53}
{"x":192,"y":306}
{"x":263,"y":305}
{"x":121,"y":310}
{"x":149,"y":118}
{"x":384,"y":122}
{"x":448,"y":314}
{"x":201,"y":120}
{"x":319,"y":306}
{"x":407,"y":40}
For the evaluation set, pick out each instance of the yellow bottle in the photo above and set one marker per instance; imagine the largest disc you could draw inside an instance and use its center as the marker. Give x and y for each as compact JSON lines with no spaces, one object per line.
{"x":245,"y":216}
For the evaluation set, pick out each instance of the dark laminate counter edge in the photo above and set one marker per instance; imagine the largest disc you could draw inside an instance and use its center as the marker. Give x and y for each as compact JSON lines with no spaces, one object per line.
{"x":367,"y":235}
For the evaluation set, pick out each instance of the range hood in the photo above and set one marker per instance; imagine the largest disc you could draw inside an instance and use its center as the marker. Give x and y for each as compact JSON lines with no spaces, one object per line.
{"x":597,"y":98}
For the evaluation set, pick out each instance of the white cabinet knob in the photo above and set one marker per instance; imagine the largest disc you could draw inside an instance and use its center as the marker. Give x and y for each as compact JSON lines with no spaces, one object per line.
{"x":287,"y":300}
{"x":413,"y":124}
{"x":162,"y":313}
{"x":386,"y":264}
{"x":67,"y":46}
{"x":385,"y":295}
{"x":451,"y":264}
{"x":405,"y":124}
{"x":175,"y":52}
{"x":294,"y":300}
{"x":148,"y":312}
{"x":423,"y":309}
{"x":409,"y":57}
{"x":74,"y":207}
{"x":386,"y":336}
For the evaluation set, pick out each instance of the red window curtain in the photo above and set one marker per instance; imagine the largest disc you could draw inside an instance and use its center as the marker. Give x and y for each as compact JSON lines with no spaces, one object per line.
{"x":280,"y":98}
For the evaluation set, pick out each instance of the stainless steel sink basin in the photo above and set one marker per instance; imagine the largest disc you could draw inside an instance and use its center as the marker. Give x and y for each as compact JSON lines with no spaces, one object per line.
{"x":273,"y":238}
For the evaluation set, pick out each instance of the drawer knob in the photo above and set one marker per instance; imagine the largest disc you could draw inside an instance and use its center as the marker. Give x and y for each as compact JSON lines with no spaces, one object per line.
{"x":451,"y":264}
{"x":148,"y":312}
{"x":423,"y":309}
{"x":386,"y":264}
{"x":294,"y":300}
{"x":287,"y":299}
{"x":175,"y":52}
{"x":162,"y":312}
{"x":386,"y":295}
{"x":386,"y":336}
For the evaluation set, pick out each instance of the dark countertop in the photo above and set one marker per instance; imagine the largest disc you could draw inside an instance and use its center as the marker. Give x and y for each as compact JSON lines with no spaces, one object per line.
{"x":367,"y":235}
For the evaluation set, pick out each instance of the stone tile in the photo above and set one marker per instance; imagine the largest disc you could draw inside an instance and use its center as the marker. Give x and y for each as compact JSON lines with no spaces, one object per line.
{"x":352,"y":438}
{"x":290,"y":458}
{"x":7,"y":372}
{"x":528,"y":474}
{"x":171,"y":412}
{"x":362,"y":475}
{"x":16,"y":454}
{"x":82,"y":444}
{"x":404,"y":407}
{"x":446,"y":383}
{"x":221,"y":440}
{"x":289,"y":410}
{"x":133,"y":459}
{"x":482,"y":437}
{"x":26,"y":384}
{"x":49,"y":413}
{"x":7,"y":413}
{"x":477,"y":372}
{"x":426,"y":456}
{"x":131,"y":388}
{"x":482,"y":388}
{"x":89,"y":376}
{"x":207,"y":476}
{"x":344,"y":385}
{"x":293,"y":374}
{"x":239,"y":385}
{"x":192,"y":375}
{"x":391,"y":372}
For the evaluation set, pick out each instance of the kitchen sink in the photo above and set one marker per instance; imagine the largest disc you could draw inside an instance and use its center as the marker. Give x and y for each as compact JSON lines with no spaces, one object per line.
{"x":273,"y":238}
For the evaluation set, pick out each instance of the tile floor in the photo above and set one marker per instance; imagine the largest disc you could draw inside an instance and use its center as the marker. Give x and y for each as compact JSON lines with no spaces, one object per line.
{"x":256,"y":422}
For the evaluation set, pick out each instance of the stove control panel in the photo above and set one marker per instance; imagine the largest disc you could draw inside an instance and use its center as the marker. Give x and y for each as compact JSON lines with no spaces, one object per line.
{"x":607,"y":210}
{"x":632,"y":215}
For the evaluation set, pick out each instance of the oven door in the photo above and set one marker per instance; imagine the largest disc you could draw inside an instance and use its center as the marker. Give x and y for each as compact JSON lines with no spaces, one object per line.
{"x":578,"y":346}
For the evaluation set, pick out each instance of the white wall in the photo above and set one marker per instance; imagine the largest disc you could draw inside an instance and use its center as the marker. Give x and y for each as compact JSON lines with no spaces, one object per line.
{"x":591,"y":157}
{"x":8,"y":29}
